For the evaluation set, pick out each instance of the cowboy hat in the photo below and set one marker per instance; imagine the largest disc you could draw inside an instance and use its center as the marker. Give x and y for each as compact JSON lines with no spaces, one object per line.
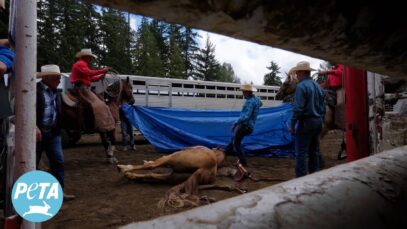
{"x":49,"y":70}
{"x":85,"y":52}
{"x":247,"y":87}
{"x":302,"y":66}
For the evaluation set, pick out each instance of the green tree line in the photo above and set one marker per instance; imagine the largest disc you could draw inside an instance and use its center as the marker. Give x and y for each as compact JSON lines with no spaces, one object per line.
{"x":154,"y":48}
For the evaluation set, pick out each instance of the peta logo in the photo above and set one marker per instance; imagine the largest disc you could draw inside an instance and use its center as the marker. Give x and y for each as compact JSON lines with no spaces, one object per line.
{"x":37,"y":196}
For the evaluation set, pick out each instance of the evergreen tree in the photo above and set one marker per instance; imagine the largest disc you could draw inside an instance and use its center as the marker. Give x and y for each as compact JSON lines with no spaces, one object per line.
{"x":159,"y":30}
{"x":189,"y":48}
{"x":207,"y":66}
{"x":272,"y":77}
{"x":176,"y":64}
{"x":70,"y":24}
{"x":48,"y":37}
{"x":116,"y":38}
{"x":92,"y":27}
{"x":147,"y":61}
{"x":227,"y":74}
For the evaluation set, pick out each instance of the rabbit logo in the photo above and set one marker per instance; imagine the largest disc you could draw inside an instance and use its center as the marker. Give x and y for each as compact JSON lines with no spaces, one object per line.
{"x":37,"y":196}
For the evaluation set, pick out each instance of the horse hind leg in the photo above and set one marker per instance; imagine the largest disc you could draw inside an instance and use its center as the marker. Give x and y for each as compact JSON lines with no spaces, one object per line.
{"x":149,"y":176}
{"x":149,"y":165}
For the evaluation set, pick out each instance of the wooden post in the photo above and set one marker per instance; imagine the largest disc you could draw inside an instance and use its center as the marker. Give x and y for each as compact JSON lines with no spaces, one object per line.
{"x":25,"y":69}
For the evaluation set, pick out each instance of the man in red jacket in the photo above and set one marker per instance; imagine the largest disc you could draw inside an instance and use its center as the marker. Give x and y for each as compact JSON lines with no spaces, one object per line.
{"x":81,"y":73}
{"x":334,"y":80}
{"x":81,"y":77}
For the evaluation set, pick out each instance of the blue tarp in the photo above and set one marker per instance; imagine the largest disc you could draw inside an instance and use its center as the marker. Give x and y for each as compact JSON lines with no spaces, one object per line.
{"x":172,"y":129}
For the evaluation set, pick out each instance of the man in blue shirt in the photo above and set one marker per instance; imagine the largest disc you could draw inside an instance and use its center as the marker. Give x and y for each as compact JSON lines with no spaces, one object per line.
{"x":48,"y":130}
{"x":245,"y":124}
{"x":308,"y":114}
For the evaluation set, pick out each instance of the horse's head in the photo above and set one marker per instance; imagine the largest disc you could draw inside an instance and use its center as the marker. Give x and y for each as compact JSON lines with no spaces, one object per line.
{"x":288,"y":86}
{"x":127,"y":92}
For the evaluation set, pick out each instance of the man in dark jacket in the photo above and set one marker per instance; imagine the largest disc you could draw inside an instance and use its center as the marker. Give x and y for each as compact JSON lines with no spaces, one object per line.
{"x":49,"y":122}
{"x":308,"y":114}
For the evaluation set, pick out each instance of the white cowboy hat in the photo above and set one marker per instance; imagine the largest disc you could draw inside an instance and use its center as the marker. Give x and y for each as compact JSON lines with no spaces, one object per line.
{"x":302,"y":66}
{"x":50,"y":70}
{"x":85,"y":52}
{"x":247,"y":87}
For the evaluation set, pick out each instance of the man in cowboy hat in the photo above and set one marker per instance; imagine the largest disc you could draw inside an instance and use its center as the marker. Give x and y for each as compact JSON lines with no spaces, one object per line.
{"x":245,"y":124}
{"x":49,"y":123}
{"x":81,"y":73}
{"x":81,"y":77}
{"x":308,"y":113}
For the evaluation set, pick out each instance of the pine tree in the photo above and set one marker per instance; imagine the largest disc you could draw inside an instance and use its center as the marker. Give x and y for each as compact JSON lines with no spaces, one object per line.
{"x":189,"y":48}
{"x":207,"y":66}
{"x":160,"y":29}
{"x":176,"y":64}
{"x":92,"y":27}
{"x":272,"y":78}
{"x":227,"y":74}
{"x":147,"y":61}
{"x":70,"y":24}
{"x":116,"y":38}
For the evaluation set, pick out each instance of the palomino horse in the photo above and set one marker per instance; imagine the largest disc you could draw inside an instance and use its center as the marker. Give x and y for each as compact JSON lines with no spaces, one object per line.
{"x":192,"y":169}
{"x":74,"y":124}
{"x":286,"y":94}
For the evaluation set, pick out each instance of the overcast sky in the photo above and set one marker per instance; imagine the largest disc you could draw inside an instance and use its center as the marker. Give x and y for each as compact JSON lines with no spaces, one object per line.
{"x":249,"y":60}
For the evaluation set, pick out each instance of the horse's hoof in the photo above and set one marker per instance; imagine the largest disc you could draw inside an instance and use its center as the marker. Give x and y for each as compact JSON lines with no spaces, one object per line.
{"x":122,"y":168}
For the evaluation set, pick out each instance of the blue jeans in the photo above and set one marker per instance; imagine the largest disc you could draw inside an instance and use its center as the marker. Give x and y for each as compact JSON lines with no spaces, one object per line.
{"x":307,"y":145}
{"x":51,"y":144}
{"x":126,"y":129}
{"x":235,"y":145}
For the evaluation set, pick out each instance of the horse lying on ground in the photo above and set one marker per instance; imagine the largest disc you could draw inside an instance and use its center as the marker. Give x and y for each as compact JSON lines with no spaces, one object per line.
{"x":190,"y":167}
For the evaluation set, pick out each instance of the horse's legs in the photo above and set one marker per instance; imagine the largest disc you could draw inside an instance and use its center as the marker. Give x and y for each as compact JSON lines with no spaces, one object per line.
{"x":152,"y":176}
{"x":111,"y":137}
{"x":105,"y":142}
{"x":109,"y":141}
{"x":150,"y":165}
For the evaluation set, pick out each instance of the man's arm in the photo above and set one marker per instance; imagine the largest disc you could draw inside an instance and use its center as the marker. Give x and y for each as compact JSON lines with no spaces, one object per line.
{"x":299,"y":106}
{"x":83,"y":68}
{"x":246,"y":112}
{"x":336,"y":72}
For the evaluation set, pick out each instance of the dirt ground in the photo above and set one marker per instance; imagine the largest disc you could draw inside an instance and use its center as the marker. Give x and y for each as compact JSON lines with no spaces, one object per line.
{"x":105,"y":199}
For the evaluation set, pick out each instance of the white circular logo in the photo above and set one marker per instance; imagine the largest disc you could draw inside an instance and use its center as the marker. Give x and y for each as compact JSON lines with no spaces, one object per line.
{"x":37,"y":196}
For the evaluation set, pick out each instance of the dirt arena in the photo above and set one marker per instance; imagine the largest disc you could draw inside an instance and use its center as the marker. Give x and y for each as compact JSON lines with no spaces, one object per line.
{"x":105,"y":199}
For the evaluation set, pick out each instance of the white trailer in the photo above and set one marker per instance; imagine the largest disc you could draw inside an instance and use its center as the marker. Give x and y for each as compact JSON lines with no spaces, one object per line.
{"x":169,"y":92}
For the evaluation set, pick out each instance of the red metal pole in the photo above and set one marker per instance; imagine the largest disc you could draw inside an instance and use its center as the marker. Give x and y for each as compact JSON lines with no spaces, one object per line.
{"x":356,"y":114}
